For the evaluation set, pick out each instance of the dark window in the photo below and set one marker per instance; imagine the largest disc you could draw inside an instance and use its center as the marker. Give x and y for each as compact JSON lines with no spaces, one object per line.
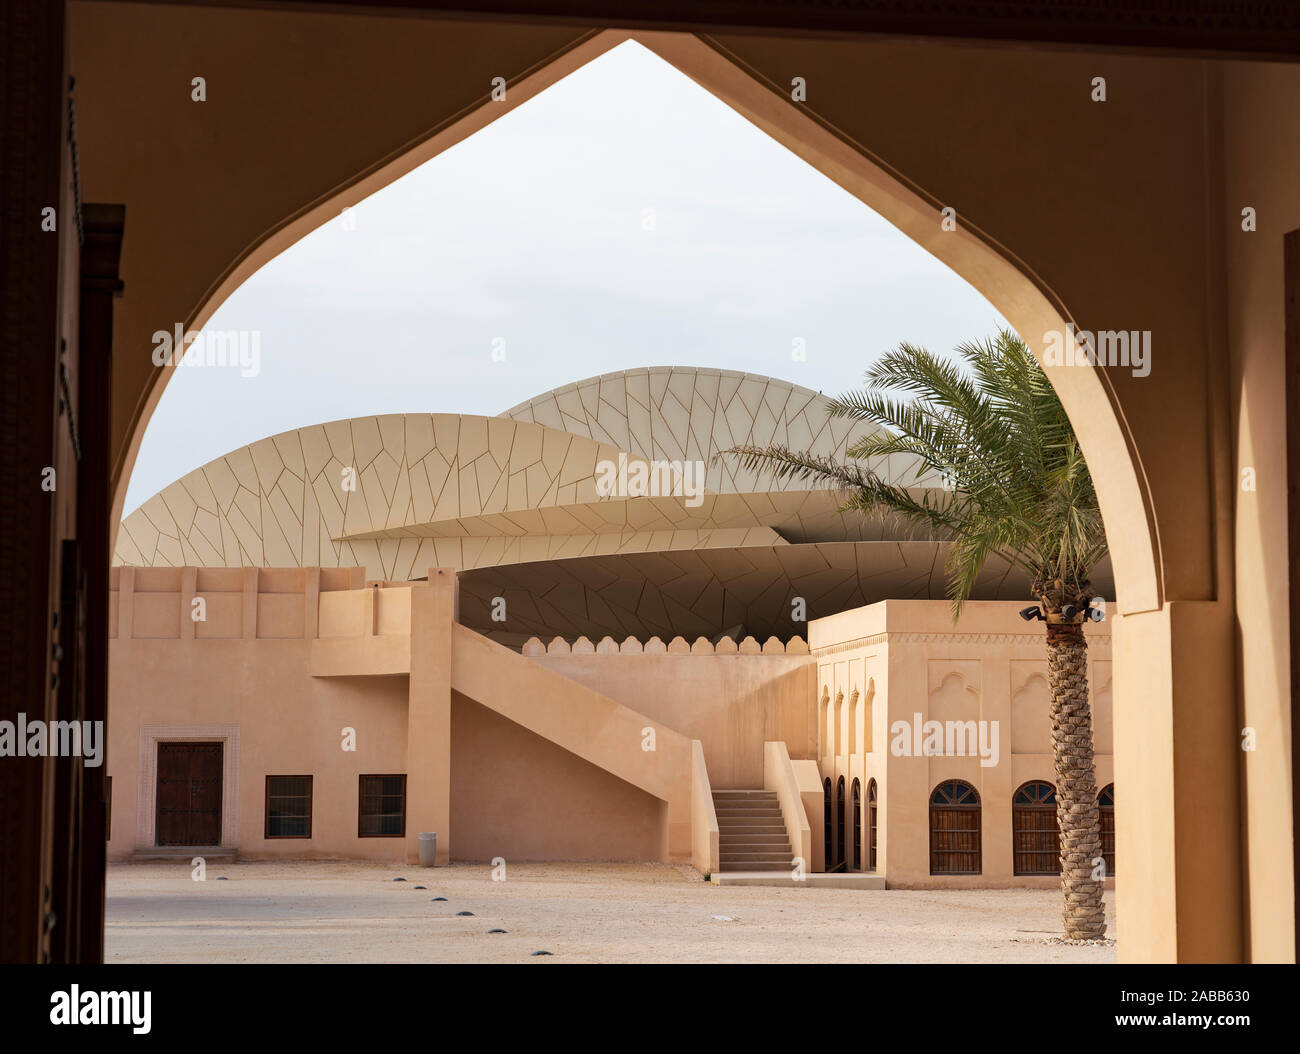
{"x":1035,"y":835}
{"x":827,"y":862}
{"x":383,"y":807}
{"x":857,"y":825}
{"x":955,"y":829}
{"x":1106,"y":817}
{"x":288,"y":806}
{"x":871,"y":825}
{"x":840,"y":806}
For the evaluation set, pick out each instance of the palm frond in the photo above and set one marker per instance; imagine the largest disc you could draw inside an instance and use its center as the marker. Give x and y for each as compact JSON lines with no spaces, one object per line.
{"x":990,"y":427}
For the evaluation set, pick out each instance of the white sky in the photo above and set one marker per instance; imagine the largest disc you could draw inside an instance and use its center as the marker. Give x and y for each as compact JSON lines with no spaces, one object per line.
{"x":532,"y":231}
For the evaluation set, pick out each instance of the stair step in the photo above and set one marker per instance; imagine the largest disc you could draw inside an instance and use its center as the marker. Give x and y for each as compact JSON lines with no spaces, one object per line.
{"x":747,"y":812}
{"x":757,"y":865}
{"x":185,"y":853}
{"x":727,"y":836}
{"x":749,"y":819}
{"x":782,"y":856}
{"x":758,"y":852}
{"x":754,"y":830}
{"x":755,"y":839}
{"x":744,"y":794}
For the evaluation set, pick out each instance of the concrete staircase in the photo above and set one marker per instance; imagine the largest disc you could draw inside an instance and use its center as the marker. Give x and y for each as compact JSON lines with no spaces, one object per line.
{"x":751,"y":831}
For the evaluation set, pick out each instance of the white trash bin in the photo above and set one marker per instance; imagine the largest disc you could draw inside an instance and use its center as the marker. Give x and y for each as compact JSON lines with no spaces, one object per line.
{"x":428,"y":848}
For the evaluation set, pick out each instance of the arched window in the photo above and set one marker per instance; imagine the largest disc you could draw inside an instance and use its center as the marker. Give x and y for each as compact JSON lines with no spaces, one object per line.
{"x":955,"y":829}
{"x":840,"y":805}
{"x":1035,"y":834}
{"x":857,"y":825}
{"x":1106,"y":814}
{"x":826,"y":859}
{"x":871,"y":825}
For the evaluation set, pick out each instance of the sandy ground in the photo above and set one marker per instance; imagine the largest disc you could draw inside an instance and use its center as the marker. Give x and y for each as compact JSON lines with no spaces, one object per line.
{"x":592,"y":913}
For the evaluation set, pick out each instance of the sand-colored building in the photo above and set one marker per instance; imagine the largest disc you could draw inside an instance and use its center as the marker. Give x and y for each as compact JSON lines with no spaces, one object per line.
{"x":310,"y":714}
{"x":1190,"y":460}
{"x":321,"y":709}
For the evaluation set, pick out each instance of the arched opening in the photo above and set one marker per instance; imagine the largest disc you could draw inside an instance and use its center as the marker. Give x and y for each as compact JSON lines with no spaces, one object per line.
{"x":1106,"y":816}
{"x":840,"y":806}
{"x":827,"y":807}
{"x":871,"y":825}
{"x":1032,"y":309}
{"x":1035,"y":832}
{"x":970,"y":254}
{"x":856,"y":864}
{"x":955,"y":829}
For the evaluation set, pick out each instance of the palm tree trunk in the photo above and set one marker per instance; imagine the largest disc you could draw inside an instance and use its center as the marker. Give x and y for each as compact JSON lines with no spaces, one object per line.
{"x":1076,"y":782}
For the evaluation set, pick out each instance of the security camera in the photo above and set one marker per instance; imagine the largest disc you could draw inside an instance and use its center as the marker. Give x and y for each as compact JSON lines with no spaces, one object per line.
{"x":1031,"y":613}
{"x":1097,"y":609}
{"x":1069,"y":611}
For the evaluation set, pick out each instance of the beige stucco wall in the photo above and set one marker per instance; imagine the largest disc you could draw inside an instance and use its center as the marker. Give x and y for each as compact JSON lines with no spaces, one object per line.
{"x":520,"y":797}
{"x":282,"y":661}
{"x":287,"y":723}
{"x":733,"y":704}
{"x":546,"y":756}
{"x":243,"y":674}
{"x":1261,"y":171}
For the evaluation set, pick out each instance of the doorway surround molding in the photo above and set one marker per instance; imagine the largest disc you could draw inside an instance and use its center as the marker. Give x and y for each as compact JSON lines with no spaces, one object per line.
{"x":147,"y":789}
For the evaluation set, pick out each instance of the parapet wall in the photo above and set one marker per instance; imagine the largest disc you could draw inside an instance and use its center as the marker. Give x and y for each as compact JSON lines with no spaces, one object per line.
{"x":655,"y":646}
{"x":252,"y":603}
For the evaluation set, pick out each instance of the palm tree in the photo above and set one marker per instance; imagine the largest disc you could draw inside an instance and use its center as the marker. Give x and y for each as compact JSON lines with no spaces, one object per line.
{"x":1014,"y":486}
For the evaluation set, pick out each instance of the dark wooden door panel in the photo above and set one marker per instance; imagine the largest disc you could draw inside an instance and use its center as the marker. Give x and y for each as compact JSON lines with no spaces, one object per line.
{"x":189,"y":793}
{"x":205,"y":794}
{"x":173,"y":793}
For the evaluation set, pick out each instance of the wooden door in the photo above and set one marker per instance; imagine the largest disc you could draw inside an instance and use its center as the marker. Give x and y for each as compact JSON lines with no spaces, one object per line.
{"x":955,"y":829}
{"x":1035,"y":831}
{"x":189,"y":793}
